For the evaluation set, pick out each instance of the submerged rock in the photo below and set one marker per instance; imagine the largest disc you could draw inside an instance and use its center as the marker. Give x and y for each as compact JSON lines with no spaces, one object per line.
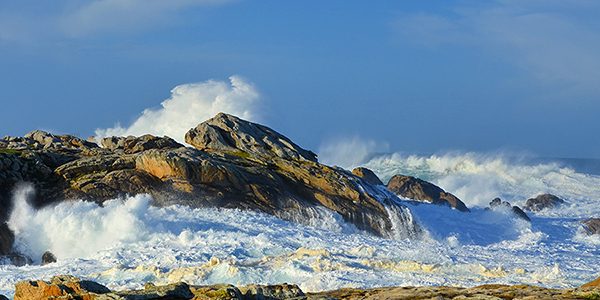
{"x":498,"y":203}
{"x":541,"y":202}
{"x":417,"y":189}
{"x":591,"y":225}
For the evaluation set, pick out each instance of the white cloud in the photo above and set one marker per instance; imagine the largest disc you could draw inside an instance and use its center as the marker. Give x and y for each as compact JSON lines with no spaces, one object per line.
{"x":192,"y":104}
{"x":554,"y":41}
{"x":126,"y":15}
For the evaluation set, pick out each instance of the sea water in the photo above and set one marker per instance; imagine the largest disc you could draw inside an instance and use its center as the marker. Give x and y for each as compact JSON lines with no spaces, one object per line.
{"x":127,"y":243}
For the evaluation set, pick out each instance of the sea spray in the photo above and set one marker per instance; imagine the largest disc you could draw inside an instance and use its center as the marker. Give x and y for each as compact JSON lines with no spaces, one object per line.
{"x":76,"y":229}
{"x":476,"y":179}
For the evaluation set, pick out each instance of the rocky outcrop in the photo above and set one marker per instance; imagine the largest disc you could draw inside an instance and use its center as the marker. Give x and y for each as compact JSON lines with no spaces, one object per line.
{"x":591,"y":225}
{"x":132,"y":144}
{"x":237,"y":164}
{"x":417,"y":189}
{"x":541,"y":202}
{"x":497,"y":203}
{"x":69,"y":287}
{"x":367,"y":175}
{"x":230,"y":134}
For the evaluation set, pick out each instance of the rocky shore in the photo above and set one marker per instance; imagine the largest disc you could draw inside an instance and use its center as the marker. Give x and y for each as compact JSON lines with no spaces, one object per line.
{"x":69,"y":287}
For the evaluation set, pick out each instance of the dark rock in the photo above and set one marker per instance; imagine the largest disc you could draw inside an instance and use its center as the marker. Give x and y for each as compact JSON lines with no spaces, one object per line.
{"x":498,"y":203}
{"x":7,"y":239}
{"x":520,"y":213}
{"x":367,"y":175}
{"x":48,"y":258}
{"x":417,"y":189}
{"x":2,"y":297}
{"x":591,"y":225}
{"x":230,"y":134}
{"x":18,"y":259}
{"x":541,"y":202}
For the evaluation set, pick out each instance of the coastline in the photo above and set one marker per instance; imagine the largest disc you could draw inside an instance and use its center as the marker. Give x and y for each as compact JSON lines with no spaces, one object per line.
{"x":69,"y":287}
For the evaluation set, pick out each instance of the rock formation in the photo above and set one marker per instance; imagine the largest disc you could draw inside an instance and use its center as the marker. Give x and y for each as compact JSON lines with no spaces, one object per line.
{"x":417,"y":189}
{"x":367,"y":175}
{"x":237,"y":164}
{"x":498,"y":203}
{"x":541,"y":202}
{"x":69,"y":287}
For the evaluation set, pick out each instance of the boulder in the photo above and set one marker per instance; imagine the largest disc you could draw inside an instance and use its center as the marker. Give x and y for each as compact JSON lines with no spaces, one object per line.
{"x":541,"y":202}
{"x":58,"y":286}
{"x":48,"y":258}
{"x":498,"y":203}
{"x":367,"y":175}
{"x":7,"y":238}
{"x":417,"y":189}
{"x":591,"y":225}
{"x":230,"y":134}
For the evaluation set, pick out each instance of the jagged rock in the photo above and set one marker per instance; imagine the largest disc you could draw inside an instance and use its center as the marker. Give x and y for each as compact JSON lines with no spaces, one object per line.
{"x":132,"y":144}
{"x":7,"y":239}
{"x":238,"y":164}
{"x":96,"y":164}
{"x":63,"y":285}
{"x":591,"y":225}
{"x":230,"y":134}
{"x":545,"y":201}
{"x":132,"y":181}
{"x":42,"y":139}
{"x":417,"y":189}
{"x":367,"y":175}
{"x":48,"y":258}
{"x":288,"y":189}
{"x":498,"y":203}
{"x":278,"y":291}
{"x":217,"y":291}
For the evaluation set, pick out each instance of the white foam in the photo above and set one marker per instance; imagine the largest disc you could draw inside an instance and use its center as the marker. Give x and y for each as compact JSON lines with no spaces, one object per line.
{"x":127,"y":243}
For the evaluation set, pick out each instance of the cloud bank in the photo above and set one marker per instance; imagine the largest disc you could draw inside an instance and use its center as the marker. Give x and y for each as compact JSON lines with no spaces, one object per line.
{"x":192,"y":104}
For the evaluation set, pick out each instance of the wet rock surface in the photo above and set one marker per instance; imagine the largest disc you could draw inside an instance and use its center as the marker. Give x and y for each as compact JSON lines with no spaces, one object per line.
{"x":541,"y":202}
{"x":591,"y":225}
{"x":417,"y":189}
{"x":497,"y":203}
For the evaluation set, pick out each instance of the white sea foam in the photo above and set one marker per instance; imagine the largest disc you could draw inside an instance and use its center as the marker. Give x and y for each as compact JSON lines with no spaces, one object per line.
{"x":127,"y":243}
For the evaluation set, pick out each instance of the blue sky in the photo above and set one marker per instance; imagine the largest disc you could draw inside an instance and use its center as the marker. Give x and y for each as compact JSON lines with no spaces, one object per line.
{"x":410,"y":76}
